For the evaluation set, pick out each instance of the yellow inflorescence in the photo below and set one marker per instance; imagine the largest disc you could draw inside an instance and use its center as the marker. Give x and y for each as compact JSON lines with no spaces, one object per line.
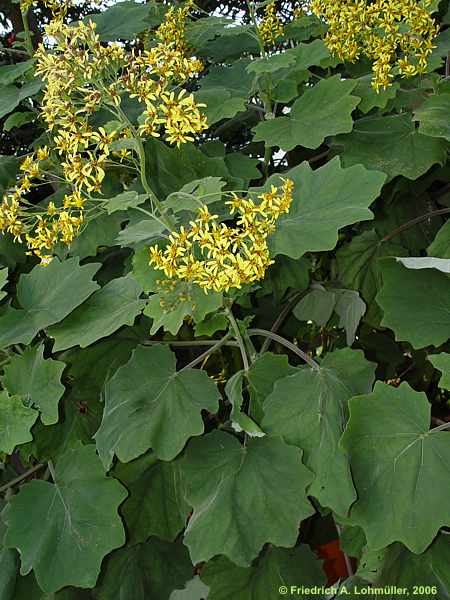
{"x":271,"y":26}
{"x":58,"y":8}
{"x":83,"y":76}
{"x":218,"y":257}
{"x":393,"y":33}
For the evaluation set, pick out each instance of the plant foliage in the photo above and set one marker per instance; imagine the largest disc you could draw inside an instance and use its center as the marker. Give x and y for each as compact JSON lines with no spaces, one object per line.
{"x":225,"y":300}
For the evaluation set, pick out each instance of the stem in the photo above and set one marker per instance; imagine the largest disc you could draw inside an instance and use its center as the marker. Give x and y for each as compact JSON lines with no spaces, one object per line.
{"x":267,"y":102}
{"x":282,"y":316}
{"x":168,"y":222}
{"x":412,"y":222}
{"x":190,"y":344}
{"x":26,"y":29}
{"x":440,"y":427}
{"x":281,"y":340}
{"x":51,"y":468}
{"x":205,"y":354}
{"x":318,"y":157}
{"x":17,"y":480}
{"x":239,"y":338}
{"x":348,"y":563}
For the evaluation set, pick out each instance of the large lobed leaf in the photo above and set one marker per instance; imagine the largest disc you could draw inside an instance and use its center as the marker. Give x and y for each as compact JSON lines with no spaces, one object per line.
{"x":149,"y":405}
{"x":65,"y":528}
{"x":395,"y":462}
{"x":309,"y":410}
{"x":324,"y":201}
{"x":243,"y":496}
{"x":37,"y":381}
{"x":46,"y":296}
{"x":329,"y":104}
{"x":415,"y":304}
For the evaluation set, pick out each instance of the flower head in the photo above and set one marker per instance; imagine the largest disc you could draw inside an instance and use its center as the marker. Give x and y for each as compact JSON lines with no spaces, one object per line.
{"x":218,"y":257}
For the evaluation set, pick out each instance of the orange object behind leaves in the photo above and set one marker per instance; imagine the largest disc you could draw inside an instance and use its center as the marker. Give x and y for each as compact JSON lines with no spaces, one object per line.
{"x":334,"y":561}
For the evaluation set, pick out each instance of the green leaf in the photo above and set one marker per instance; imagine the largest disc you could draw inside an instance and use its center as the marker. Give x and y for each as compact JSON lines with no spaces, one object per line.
{"x":109,"y":308}
{"x":211,"y":324}
{"x":314,"y":53}
{"x":196,"y":193}
{"x":441,"y":362}
{"x":3,"y":281}
{"x":441,"y":48}
{"x":415,"y":304}
{"x":18,"y":119}
{"x":240,"y":421}
{"x":102,"y":231}
{"x":395,"y":462}
{"x":201,"y":31}
{"x":195,"y":589}
{"x":220,"y":104}
{"x":124,"y":201}
{"x":152,"y":570}
{"x":156,"y":505}
{"x":174,"y":299}
{"x":123,"y":20}
{"x":324,"y":201}
{"x":11,"y":96}
{"x":352,"y":540}
{"x":434,"y":116}
{"x":286,"y":273}
{"x":8,"y":169}
{"x":309,"y":410}
{"x":262,"y":376}
{"x":72,"y":523}
{"x":37,"y":381}
{"x":317,"y":306}
{"x":8,"y":573}
{"x":232,"y":43}
{"x":270,"y":64}
{"x":47,"y":295}
{"x":355,"y":588}
{"x":10,"y":73}
{"x":371,"y":98}
{"x":423,"y":571}
{"x":329,"y":104}
{"x":279,"y":568}
{"x":392,"y":145}
{"x":171,"y":168}
{"x":142,"y":232}
{"x":233,"y":78}
{"x":350,"y":309}
{"x":16,"y":421}
{"x":233,"y":488}
{"x":359,"y":267}
{"x":440,"y":246}
{"x":440,"y":264}
{"x":81,"y":407}
{"x":162,"y":412}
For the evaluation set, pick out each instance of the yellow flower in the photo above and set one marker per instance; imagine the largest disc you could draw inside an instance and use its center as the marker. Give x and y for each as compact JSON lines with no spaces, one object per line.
{"x":219,"y":257}
{"x":392,"y":33}
{"x":271,"y":27}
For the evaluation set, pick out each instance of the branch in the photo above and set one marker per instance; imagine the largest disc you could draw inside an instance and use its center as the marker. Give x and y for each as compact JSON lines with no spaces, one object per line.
{"x":283,"y":341}
{"x":239,"y":339}
{"x":282,"y":316}
{"x":17,"y":480}
{"x":205,"y":354}
{"x":408,"y":224}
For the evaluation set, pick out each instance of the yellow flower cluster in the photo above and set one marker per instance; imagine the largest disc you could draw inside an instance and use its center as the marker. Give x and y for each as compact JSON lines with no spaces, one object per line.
{"x":271,"y":26}
{"x":58,"y":8}
{"x":219,"y":257}
{"x":83,"y":76}
{"x":394,"y":34}
{"x":41,"y":230}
